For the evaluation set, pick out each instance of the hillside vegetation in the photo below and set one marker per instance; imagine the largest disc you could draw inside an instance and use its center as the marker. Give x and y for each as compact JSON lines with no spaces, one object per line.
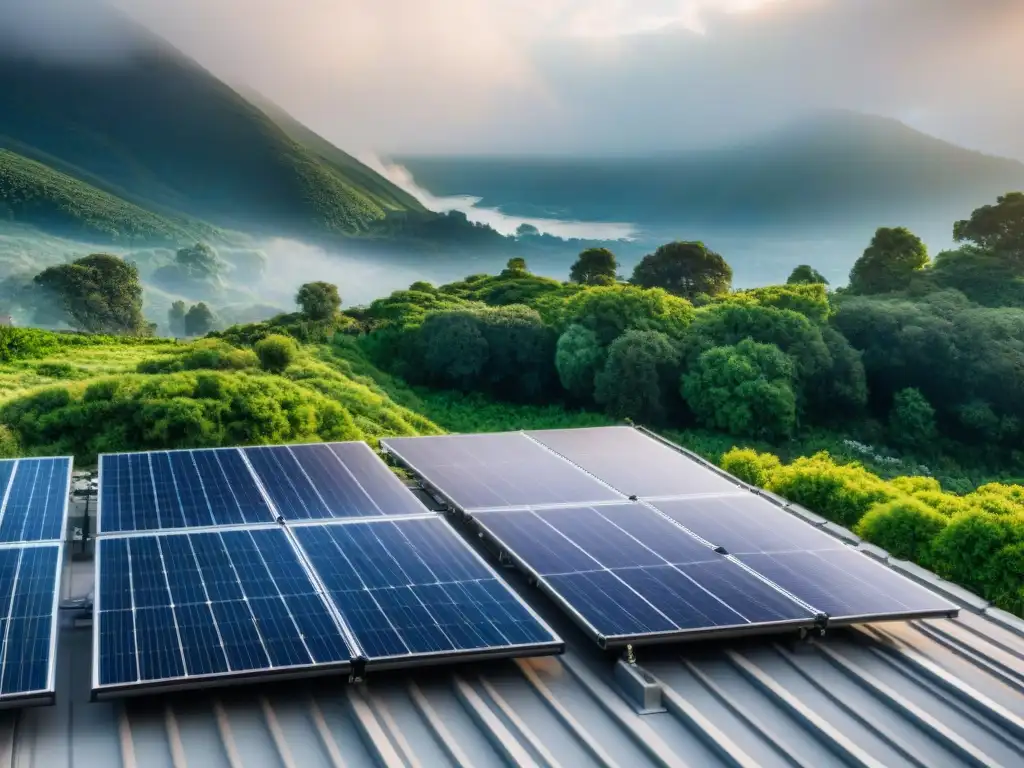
{"x":35,"y":194}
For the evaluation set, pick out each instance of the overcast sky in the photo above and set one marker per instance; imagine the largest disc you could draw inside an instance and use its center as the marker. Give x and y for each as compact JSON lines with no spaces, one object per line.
{"x":587,"y":76}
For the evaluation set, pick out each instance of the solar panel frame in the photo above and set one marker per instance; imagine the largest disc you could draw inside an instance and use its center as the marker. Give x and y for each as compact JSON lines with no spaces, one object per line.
{"x":102,"y":692}
{"x":386,"y":662}
{"x":607,"y":641}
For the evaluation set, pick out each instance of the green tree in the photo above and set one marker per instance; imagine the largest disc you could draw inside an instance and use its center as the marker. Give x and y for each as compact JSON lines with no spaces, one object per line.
{"x":455,"y":351}
{"x":594,"y":266}
{"x":746,"y":390}
{"x":998,"y":229}
{"x":578,"y":358}
{"x":888,"y":264}
{"x":805,"y":274}
{"x":199,"y":261}
{"x":515,"y":267}
{"x":176,"y":319}
{"x":610,"y":310}
{"x":638,"y":376}
{"x":276,"y":352}
{"x":100,"y":294}
{"x":319,"y":300}
{"x":904,"y":527}
{"x":912,"y":421}
{"x":199,"y":320}
{"x":686,"y":269}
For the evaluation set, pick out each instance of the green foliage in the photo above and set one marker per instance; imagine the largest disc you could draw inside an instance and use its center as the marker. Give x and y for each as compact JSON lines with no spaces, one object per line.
{"x":905,"y":528}
{"x":319,"y":300}
{"x":455,"y":350}
{"x":998,"y":229}
{"x":10,"y":448}
{"x":594,"y":266}
{"x":210,"y":354}
{"x":199,"y":320}
{"x":810,"y":300}
{"x":609,"y":311}
{"x":578,"y":358}
{"x":36,"y":194}
{"x":515,"y":266}
{"x":971,"y":551}
{"x":684,"y":269}
{"x":276,"y":352}
{"x":752,"y":467}
{"x":805,"y":275}
{"x":100,"y":293}
{"x":890,"y":261}
{"x":27,"y":343}
{"x":639,"y":376}
{"x":912,"y":421}
{"x":746,"y":389}
{"x":985,"y":277}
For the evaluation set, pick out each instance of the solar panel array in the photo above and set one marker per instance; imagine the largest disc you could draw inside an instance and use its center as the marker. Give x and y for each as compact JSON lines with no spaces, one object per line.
{"x":33,"y":519}
{"x":638,"y":542}
{"x":230,"y":564}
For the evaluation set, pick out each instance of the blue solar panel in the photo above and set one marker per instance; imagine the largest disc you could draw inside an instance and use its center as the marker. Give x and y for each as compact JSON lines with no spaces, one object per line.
{"x":180,"y":609}
{"x":178,"y":489}
{"x":29,"y":579}
{"x":805,"y":561}
{"x":625,"y":572}
{"x":330,"y":480}
{"x":33,"y":499}
{"x":497,"y":471}
{"x":413,"y":590}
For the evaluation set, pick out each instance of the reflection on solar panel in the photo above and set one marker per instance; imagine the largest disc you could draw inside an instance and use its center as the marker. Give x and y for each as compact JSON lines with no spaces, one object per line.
{"x":328,"y":480}
{"x":497,"y":471}
{"x":178,"y":609}
{"x":629,"y":575}
{"x":411,"y":590}
{"x":633,"y":463}
{"x":808,"y":563}
{"x":164,"y":490}
{"x":33,"y":516}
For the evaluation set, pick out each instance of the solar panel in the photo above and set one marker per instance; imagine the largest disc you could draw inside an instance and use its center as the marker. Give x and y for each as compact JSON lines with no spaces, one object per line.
{"x":497,"y":471}
{"x":628,"y":575}
{"x":819,"y":569}
{"x":29,"y":579}
{"x":165,"y":490}
{"x":34,"y":499}
{"x":330,"y":480}
{"x":180,"y":610}
{"x":633,"y":463}
{"x":413,"y":591}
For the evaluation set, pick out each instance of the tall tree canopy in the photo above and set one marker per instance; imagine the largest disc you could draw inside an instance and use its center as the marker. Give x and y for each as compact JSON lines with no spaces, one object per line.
{"x":199,"y":261}
{"x":997,"y":228}
{"x":806,"y":275}
{"x":685,"y":269}
{"x":176,"y":318}
{"x":319,"y":300}
{"x":595,"y":266}
{"x":888,"y":264}
{"x":199,"y":320}
{"x":100,"y":294}
{"x":639,"y":376}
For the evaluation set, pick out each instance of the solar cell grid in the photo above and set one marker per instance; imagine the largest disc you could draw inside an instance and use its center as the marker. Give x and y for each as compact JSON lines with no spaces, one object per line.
{"x":497,"y":471}
{"x":34,"y":499}
{"x":28,"y":602}
{"x":627,"y":573}
{"x":633,"y":463}
{"x":413,"y":589}
{"x":174,"y":608}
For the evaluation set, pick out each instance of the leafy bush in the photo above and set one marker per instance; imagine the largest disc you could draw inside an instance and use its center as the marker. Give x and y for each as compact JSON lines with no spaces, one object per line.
{"x":276,"y":352}
{"x":912,"y":421}
{"x":578,"y":358}
{"x":968,"y":551}
{"x":210,"y":354}
{"x":752,"y":467}
{"x":28,"y":343}
{"x":639,"y":377}
{"x":905,"y":527}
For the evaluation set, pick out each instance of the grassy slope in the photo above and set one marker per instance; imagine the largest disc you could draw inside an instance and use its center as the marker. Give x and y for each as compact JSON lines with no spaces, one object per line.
{"x":822,"y":170}
{"x":32,"y":193}
{"x":160,"y":131}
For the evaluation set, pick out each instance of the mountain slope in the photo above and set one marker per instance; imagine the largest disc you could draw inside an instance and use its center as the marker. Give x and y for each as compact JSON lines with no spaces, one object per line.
{"x":155,"y":127}
{"x":837,"y":165}
{"x":35,"y":194}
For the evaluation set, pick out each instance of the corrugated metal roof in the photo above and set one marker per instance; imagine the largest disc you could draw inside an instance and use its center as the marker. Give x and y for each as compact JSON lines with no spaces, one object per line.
{"x":926,"y":693}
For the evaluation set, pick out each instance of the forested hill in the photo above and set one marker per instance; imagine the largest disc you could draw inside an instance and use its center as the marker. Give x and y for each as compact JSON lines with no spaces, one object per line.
{"x":829,"y":169}
{"x":156,"y":129}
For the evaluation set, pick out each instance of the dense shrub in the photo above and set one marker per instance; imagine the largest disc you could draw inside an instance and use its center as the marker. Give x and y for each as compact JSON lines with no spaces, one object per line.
{"x":211,"y":354}
{"x":578,"y":358}
{"x":967,"y":551}
{"x":639,"y":377}
{"x":276,"y":352}
{"x":28,"y":343}
{"x":904,"y":527}
{"x":750,"y":466}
